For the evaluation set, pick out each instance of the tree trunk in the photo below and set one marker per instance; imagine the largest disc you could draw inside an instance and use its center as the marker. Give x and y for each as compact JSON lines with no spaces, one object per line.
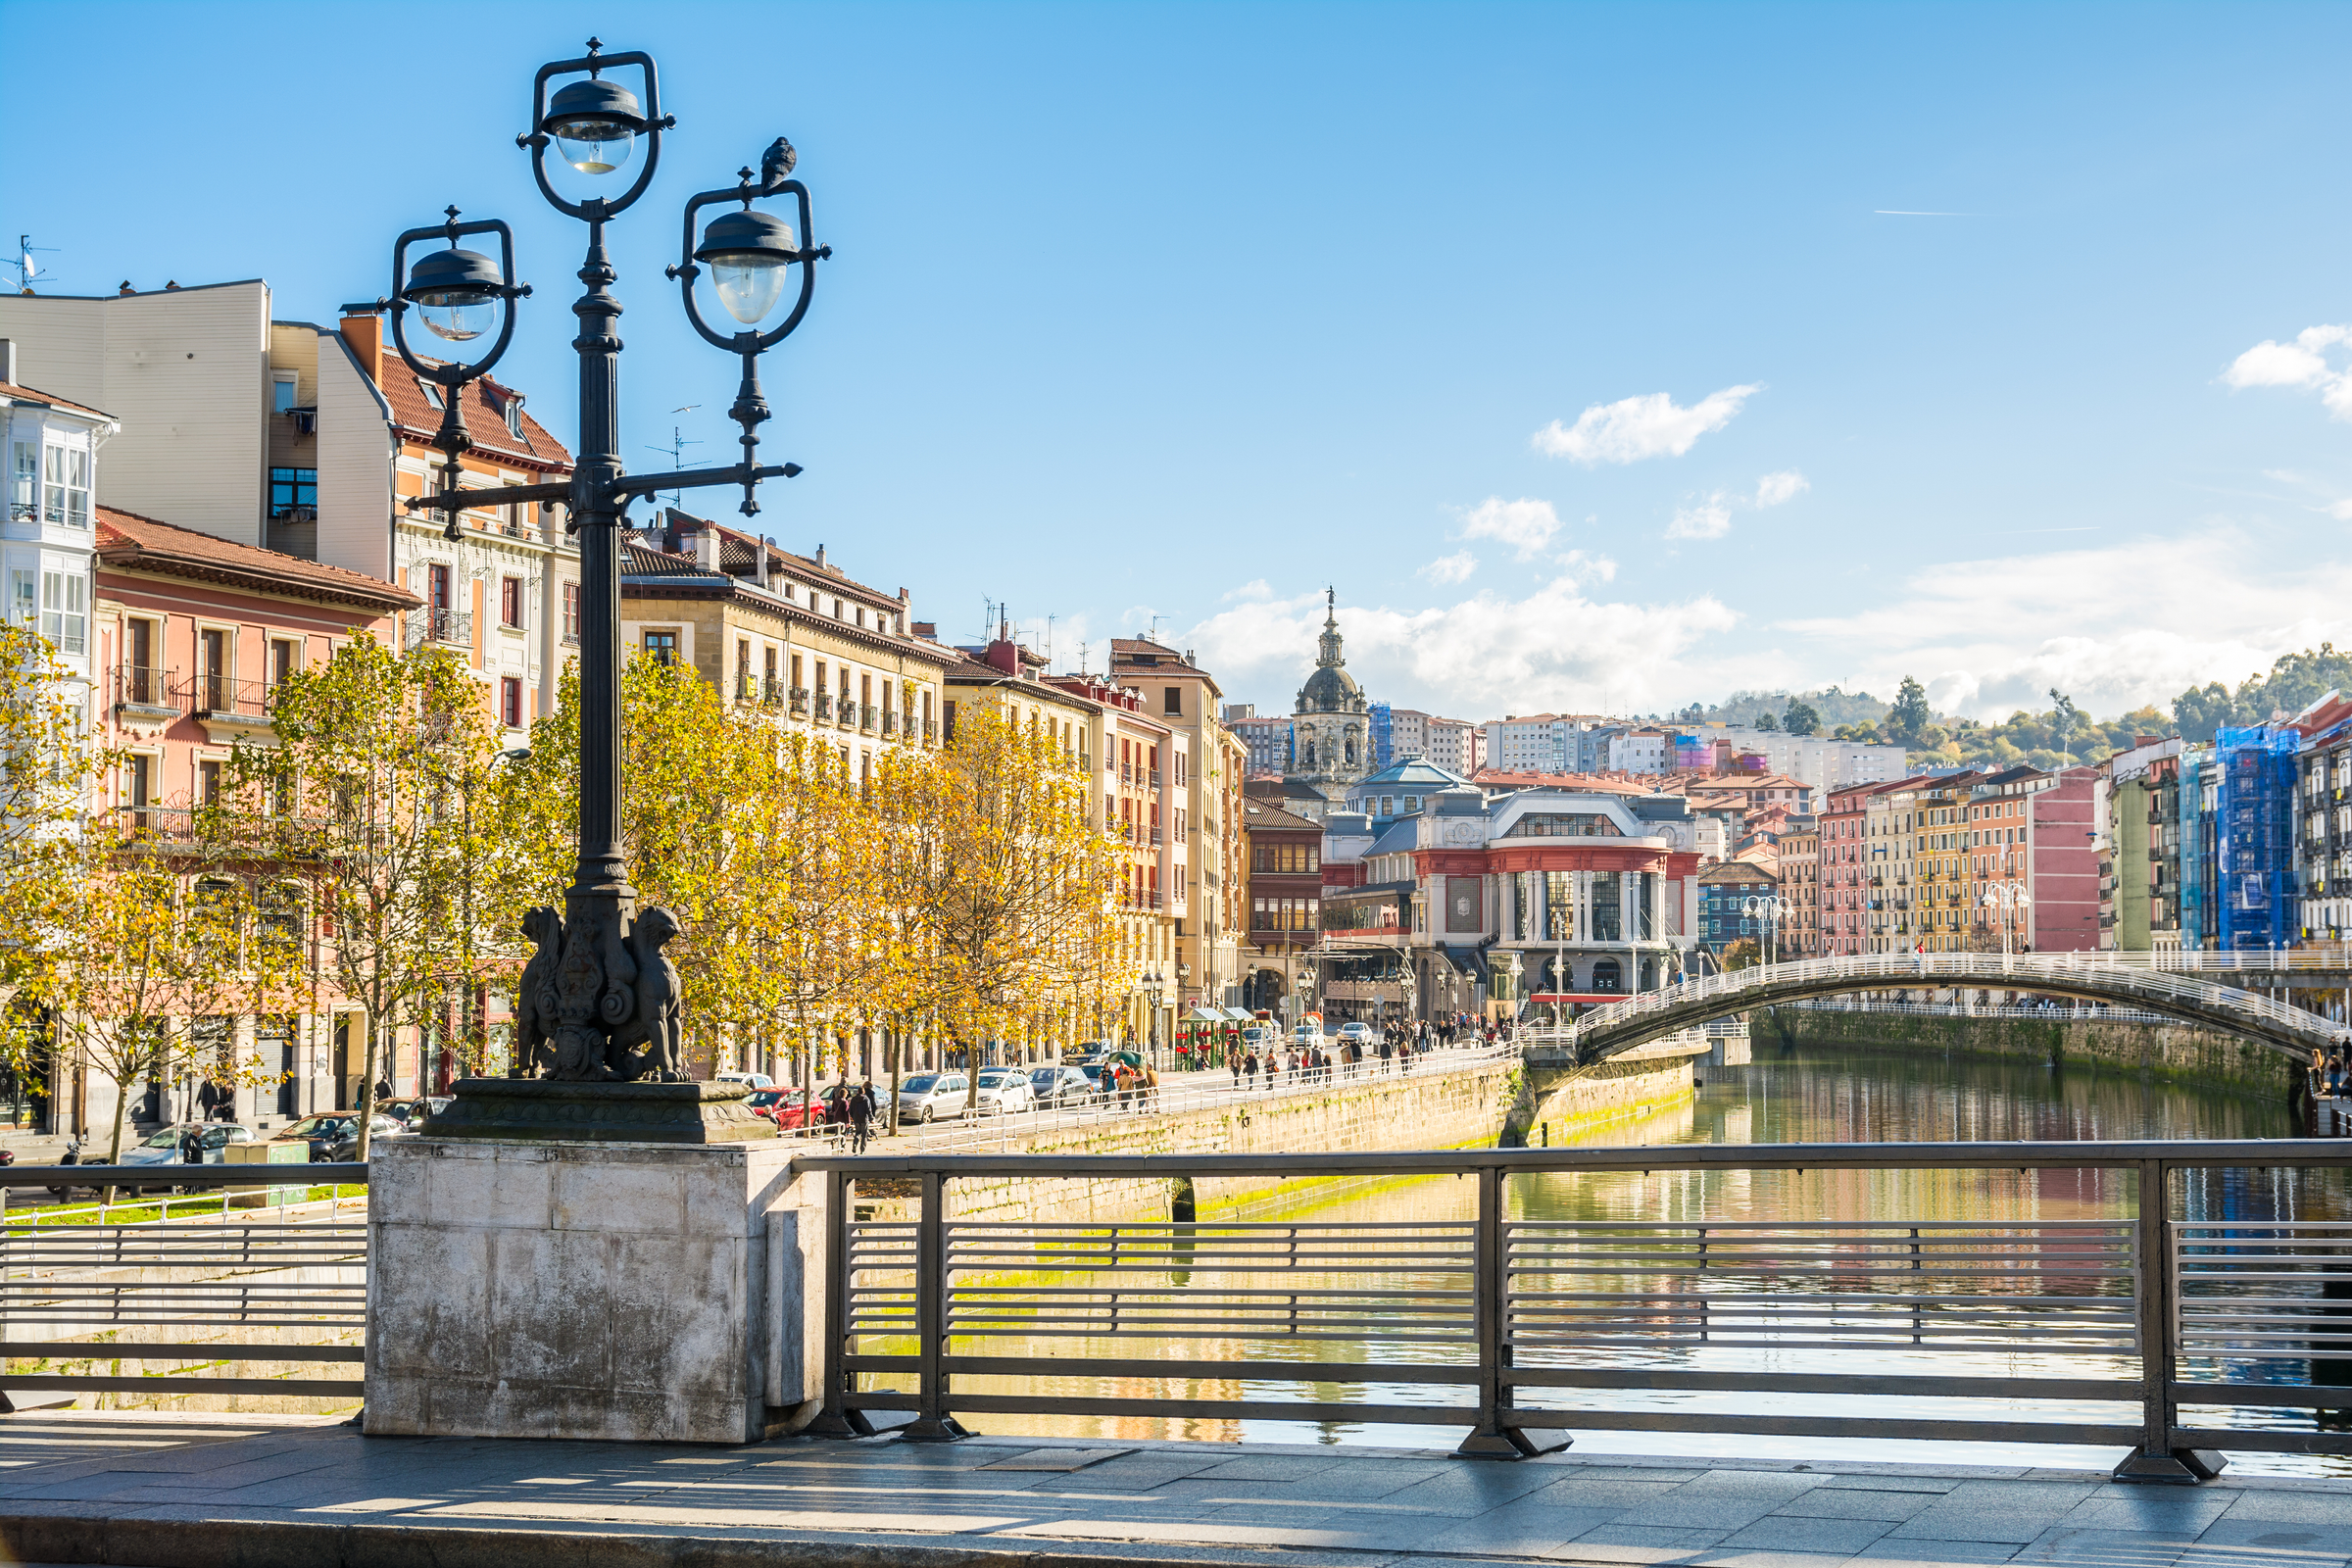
{"x":367,"y":1088}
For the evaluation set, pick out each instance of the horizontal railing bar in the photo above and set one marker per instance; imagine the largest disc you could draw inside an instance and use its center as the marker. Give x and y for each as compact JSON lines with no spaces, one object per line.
{"x":2256,"y":1439}
{"x":1209,"y":1371}
{"x":339,"y":1173}
{"x":2303,"y":1395}
{"x":2125,"y":1391}
{"x":2177,"y":1152}
{"x":1810,"y":1426}
{"x":46,"y":1383}
{"x":1231,"y":1409}
{"x":112,"y":1351}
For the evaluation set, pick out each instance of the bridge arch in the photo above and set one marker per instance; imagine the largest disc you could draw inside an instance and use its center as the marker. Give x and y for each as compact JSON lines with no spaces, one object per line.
{"x":2121,"y":978}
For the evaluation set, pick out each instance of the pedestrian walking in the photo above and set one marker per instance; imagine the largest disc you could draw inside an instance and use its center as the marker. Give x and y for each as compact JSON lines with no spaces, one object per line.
{"x":1233,"y":1060}
{"x":1250,"y":1068}
{"x":861,"y":1115}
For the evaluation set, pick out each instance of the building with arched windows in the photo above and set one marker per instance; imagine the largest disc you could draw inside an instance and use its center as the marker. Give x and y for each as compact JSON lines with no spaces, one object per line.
{"x":1331,"y":726}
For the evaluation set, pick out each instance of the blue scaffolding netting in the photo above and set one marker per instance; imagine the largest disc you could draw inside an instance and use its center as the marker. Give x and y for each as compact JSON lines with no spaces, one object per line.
{"x":2254,"y":845}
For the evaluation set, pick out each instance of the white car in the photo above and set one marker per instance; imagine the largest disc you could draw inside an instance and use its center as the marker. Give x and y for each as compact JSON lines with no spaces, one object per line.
{"x":163,"y":1148}
{"x":754,"y":1081}
{"x":1003,"y":1090}
{"x":929,"y":1096}
{"x":1306,"y":1036}
{"x":1360,"y":1032}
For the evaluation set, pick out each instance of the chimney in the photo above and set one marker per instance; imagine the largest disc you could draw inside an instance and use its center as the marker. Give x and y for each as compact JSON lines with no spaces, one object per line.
{"x":927,"y":630}
{"x":126,"y":288}
{"x":761,"y":571}
{"x":705,"y":548}
{"x":821,"y":557}
{"x":8,"y":363}
{"x":366,"y":335}
{"x":1189,"y":658}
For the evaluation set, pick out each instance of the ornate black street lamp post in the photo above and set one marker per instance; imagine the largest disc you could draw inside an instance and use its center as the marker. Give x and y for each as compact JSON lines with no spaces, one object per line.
{"x":598,"y":1001}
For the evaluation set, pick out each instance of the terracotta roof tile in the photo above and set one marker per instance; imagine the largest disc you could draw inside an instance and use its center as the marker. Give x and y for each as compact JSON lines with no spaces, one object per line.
{"x":10,"y":389}
{"x":129,"y":542}
{"x":485,"y":417}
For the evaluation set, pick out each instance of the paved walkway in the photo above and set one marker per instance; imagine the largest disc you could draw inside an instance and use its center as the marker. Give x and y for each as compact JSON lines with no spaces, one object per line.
{"x":188,"y":1492}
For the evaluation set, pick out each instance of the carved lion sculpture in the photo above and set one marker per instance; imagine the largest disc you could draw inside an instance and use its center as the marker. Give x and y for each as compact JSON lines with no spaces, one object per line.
{"x":658,"y":1027}
{"x":535,"y":1020}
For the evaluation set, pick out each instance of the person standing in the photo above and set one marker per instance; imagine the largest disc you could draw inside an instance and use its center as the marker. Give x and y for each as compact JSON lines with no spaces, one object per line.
{"x":1233,"y":1060}
{"x":861,"y":1115}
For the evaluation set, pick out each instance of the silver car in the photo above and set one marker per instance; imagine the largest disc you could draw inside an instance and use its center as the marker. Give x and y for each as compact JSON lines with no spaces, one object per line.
{"x":1062,"y":1086}
{"x":1003,"y":1090}
{"x":929,"y":1096}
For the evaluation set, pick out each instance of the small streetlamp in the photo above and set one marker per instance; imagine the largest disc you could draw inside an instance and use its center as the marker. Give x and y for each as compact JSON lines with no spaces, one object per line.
{"x":614,"y":1016}
{"x":1153,"y":984}
{"x":2005,"y":899}
{"x":1772,"y":910}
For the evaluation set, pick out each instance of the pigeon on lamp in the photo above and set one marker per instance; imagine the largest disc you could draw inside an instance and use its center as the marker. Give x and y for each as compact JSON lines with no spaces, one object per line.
{"x":775,"y":164}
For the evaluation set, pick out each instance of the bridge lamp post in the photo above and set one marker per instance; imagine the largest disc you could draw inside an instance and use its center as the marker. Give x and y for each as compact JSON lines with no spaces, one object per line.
{"x":1772,"y":910}
{"x":2006,"y":898}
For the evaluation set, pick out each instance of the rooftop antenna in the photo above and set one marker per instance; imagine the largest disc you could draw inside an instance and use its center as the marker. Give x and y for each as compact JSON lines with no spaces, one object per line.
{"x":1084,"y":649}
{"x":26,"y":268}
{"x":1153,"y":631}
{"x":1050,"y":642}
{"x":678,"y":443}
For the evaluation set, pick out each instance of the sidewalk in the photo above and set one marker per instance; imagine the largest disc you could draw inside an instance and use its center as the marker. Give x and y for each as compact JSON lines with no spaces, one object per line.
{"x":207,"y":1492}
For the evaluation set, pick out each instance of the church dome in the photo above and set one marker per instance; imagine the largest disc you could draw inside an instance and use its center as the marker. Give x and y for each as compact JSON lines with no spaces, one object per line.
{"x":1330,"y":690}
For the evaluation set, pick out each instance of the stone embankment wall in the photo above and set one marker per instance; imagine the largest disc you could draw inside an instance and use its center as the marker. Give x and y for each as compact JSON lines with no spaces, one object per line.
{"x":1381,"y":1112}
{"x":2161,"y":1051}
{"x":1558,"y":1108}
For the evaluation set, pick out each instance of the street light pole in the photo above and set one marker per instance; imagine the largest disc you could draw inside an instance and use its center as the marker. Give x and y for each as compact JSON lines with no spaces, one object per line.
{"x":601,"y":999}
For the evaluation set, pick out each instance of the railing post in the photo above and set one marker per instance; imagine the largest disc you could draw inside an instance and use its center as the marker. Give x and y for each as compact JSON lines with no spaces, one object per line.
{"x":931,"y":1423}
{"x":1494,"y":1437}
{"x":836,"y":1419}
{"x":2156,"y":1459}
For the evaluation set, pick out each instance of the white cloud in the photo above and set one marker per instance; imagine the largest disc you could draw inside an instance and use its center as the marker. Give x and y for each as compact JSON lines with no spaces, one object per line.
{"x":1710,"y":519}
{"x":1586,"y":568}
{"x":2213,"y":605}
{"x":2302,"y":362}
{"x":1786,"y":485}
{"x":1553,"y":647}
{"x":1256,"y":588}
{"x":1527,"y":526}
{"x":2340,"y":511}
{"x":1651,"y":425}
{"x":1455,"y":567}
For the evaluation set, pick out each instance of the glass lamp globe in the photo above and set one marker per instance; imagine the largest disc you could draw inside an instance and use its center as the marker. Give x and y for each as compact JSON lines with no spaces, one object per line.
{"x":748,"y":253}
{"x":456,"y":292}
{"x":595,"y":124}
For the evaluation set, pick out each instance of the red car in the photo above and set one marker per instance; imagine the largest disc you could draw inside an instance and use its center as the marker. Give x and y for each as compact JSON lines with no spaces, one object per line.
{"x":785,"y":1109}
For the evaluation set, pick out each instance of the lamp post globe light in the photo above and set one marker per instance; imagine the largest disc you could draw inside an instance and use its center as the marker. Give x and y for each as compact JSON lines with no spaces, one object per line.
{"x":599,"y":1001}
{"x":1772,"y":910}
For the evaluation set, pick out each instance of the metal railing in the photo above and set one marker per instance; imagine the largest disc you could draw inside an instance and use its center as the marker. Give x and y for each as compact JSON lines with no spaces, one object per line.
{"x":2045,"y":1010}
{"x":143,"y":686}
{"x":221,"y":695}
{"x":2129,"y":975}
{"x":249,"y":1269}
{"x":2007,"y":1328}
{"x":440,"y":626}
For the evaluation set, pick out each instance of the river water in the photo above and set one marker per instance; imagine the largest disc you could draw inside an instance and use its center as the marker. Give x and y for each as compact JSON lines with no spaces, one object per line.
{"x":1812,"y":1096}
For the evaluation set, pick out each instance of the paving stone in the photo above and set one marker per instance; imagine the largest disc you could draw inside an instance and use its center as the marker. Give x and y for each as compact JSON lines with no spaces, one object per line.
{"x":1889,"y":1553}
{"x":1781,"y":1532}
{"x":2137,"y":1508}
{"x":1514,"y":1532}
{"x":2076,"y":1546}
{"x":1854,"y":1502}
{"x":2299,"y":1507}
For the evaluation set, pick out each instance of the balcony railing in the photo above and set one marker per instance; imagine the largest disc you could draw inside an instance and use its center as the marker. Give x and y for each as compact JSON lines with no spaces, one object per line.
{"x":870,"y":718}
{"x":219,"y":697}
{"x":155,"y":691}
{"x":440,"y":626}
{"x":1156,"y":778}
{"x":824,"y":707}
{"x":889,"y":721}
{"x":930,"y":732}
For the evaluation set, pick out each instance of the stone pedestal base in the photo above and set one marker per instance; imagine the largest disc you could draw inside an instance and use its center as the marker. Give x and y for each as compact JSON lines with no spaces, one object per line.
{"x":526,"y":1110}
{"x":650,"y":1293}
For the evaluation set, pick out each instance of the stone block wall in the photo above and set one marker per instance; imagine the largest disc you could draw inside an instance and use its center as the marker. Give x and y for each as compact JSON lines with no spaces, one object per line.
{"x":2162,"y":1051}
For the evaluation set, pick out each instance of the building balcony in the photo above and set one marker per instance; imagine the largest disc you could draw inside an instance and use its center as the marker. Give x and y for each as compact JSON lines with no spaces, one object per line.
{"x":930,"y":733}
{"x":846,"y":714}
{"x":440,"y":626}
{"x":870,"y":718}
{"x":218,"y":696}
{"x":150,"y":694}
{"x":797,"y":700}
{"x":572,"y":638}
{"x":889,"y":721}
{"x":1156,"y":778}
{"x":824,"y":707}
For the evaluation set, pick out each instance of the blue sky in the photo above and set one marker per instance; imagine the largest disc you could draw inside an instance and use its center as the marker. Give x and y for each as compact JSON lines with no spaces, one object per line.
{"x":1593,"y":351}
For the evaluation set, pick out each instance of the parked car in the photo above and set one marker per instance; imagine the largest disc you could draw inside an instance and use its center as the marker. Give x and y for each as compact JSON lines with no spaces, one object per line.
{"x":1309,"y":1035}
{"x":162,"y":1147}
{"x":1360,"y":1032}
{"x":412,"y":1113}
{"x":1063,"y":1086}
{"x":1002,"y":1091}
{"x":1261,"y":1038}
{"x":929,"y":1096}
{"x":334,"y":1135}
{"x":754,"y":1080}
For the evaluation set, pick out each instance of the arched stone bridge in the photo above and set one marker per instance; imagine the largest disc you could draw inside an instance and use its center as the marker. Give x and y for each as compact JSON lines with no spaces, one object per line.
{"x":2124,"y":979}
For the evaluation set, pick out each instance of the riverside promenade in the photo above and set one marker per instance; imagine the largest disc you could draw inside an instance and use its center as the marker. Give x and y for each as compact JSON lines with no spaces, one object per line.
{"x":231,"y":1492}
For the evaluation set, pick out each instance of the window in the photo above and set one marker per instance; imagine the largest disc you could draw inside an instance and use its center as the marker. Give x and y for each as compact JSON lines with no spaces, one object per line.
{"x":22,"y":596}
{"x":68,"y":488}
{"x":207,"y":782}
{"x":281,"y":660}
{"x":24,"y":482}
{"x":282,"y":393}
{"x":662,"y":647}
{"x":510,"y":601}
{"x":571,"y":612}
{"x":212,"y":653}
{"x":437,"y":586}
{"x":138,"y":782}
{"x":62,"y":619}
{"x":510,"y":701}
{"x":1172,"y":701}
{"x":431,"y":391}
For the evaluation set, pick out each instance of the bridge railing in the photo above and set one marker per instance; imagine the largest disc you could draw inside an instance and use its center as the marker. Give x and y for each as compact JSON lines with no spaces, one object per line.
{"x":2092,"y":1011}
{"x":2126,"y":980}
{"x":2163,"y":1334}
